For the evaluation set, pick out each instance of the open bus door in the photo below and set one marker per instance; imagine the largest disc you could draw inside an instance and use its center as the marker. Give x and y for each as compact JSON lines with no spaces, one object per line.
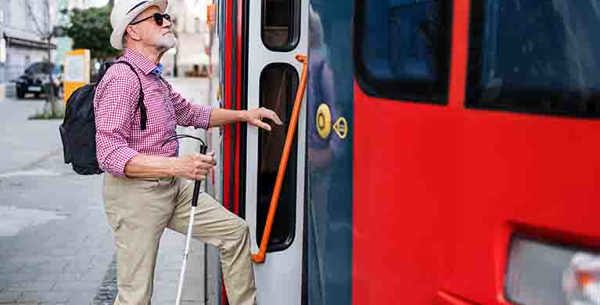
{"x":277,"y":32}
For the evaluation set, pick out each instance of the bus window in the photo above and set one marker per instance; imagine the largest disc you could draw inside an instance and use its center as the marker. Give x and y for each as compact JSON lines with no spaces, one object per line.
{"x":278,"y":84}
{"x":402,"y":48}
{"x":535,"y":56}
{"x":280,"y":24}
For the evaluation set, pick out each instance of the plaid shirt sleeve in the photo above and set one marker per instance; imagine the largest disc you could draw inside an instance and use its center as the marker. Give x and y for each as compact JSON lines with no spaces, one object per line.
{"x":114,"y":105}
{"x":189,"y":114}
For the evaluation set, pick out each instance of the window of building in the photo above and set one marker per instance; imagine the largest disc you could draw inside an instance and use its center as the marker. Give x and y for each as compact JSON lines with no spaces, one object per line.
{"x":535,"y":56}
{"x":280,"y":24}
{"x":278,"y":85}
{"x":402,"y":48}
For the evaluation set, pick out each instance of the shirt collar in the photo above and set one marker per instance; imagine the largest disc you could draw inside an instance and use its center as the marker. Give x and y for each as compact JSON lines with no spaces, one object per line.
{"x":157,"y":70}
{"x":141,"y":61}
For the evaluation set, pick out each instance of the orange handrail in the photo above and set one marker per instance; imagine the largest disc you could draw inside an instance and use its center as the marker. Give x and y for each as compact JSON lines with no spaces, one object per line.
{"x":259,"y":257}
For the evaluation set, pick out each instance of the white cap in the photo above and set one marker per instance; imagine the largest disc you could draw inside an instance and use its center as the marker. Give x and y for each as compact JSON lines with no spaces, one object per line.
{"x":124,"y":12}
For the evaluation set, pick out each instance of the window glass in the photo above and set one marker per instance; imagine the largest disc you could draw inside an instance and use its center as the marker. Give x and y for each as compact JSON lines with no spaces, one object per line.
{"x":280,"y":24}
{"x":39,"y":67}
{"x":278,"y":84}
{"x":536,"y":56}
{"x":402,"y":48}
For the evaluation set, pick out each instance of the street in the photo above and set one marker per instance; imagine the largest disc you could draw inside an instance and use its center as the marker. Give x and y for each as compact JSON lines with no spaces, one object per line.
{"x":55,"y":244}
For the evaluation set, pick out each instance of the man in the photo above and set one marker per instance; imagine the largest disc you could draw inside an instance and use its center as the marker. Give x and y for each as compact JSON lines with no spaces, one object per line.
{"x":144,"y":187}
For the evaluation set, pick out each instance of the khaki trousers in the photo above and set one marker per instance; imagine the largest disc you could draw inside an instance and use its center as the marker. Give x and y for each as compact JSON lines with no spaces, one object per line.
{"x":138,"y":211}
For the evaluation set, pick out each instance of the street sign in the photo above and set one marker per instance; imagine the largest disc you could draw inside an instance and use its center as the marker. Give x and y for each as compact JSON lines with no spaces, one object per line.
{"x":77,"y":71}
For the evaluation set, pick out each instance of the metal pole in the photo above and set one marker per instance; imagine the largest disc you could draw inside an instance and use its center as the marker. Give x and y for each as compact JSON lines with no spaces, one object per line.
{"x":209,"y":97}
{"x":50,"y":97}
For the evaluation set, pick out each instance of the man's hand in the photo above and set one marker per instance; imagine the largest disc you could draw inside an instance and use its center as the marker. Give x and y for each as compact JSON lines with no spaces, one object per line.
{"x":254,"y":117}
{"x":195,"y":167}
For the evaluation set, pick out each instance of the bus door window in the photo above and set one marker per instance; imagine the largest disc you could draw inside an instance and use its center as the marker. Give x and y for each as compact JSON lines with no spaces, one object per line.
{"x":280,"y":24}
{"x":278,"y":85}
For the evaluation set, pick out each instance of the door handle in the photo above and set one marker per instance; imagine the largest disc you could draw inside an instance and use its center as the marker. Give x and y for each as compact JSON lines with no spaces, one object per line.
{"x":259,"y":257}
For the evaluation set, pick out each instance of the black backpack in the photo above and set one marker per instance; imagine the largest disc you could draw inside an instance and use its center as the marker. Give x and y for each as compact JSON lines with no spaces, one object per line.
{"x":78,"y":130}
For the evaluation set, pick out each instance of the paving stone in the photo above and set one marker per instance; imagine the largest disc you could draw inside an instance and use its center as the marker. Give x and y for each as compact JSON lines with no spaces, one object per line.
{"x":81,"y":300}
{"x":75,"y":286}
{"x":9,"y":296}
{"x":35,"y":285}
{"x":47,"y":296}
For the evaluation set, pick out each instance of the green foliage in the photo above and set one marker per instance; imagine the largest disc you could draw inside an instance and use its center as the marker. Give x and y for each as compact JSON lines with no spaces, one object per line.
{"x":90,"y":29}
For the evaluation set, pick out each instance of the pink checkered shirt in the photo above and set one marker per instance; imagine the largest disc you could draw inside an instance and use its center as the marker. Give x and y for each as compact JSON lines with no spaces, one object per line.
{"x":118,"y":133}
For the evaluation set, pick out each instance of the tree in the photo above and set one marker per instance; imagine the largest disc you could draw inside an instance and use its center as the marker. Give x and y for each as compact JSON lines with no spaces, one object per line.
{"x":39,"y":10}
{"x":90,"y":29}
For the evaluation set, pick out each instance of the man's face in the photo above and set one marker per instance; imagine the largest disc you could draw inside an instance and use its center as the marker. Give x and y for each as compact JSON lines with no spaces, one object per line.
{"x":150,"y":33}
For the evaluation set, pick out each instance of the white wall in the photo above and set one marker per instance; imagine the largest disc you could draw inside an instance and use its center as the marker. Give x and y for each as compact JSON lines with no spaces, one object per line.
{"x":18,"y":23}
{"x":18,"y":59}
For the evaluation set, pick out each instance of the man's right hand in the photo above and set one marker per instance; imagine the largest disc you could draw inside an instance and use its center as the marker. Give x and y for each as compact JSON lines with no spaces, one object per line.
{"x":195,"y":167}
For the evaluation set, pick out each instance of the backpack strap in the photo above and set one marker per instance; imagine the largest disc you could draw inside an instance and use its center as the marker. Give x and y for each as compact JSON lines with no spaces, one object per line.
{"x":143,"y":112}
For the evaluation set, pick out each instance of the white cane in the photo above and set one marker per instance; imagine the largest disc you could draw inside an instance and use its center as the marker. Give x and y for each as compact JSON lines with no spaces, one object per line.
{"x":188,"y":238}
{"x":185,"y":254}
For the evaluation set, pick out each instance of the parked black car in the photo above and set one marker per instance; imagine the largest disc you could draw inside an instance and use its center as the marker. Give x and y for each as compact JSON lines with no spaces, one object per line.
{"x":35,"y":79}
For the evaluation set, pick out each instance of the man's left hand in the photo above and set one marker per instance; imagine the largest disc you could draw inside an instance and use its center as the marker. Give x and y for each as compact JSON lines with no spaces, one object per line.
{"x":255,"y":117}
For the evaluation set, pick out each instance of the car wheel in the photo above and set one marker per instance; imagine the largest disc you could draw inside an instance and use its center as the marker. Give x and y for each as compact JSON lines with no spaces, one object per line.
{"x":20,"y":93}
{"x":57,"y":91}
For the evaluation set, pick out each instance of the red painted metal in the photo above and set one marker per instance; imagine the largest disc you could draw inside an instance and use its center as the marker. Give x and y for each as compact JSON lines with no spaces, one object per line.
{"x":439,"y":190}
{"x":227,"y":99}
{"x":238,"y":92}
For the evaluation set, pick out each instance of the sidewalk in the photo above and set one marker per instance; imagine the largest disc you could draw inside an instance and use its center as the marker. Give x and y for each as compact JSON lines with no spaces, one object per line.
{"x":55,"y":244}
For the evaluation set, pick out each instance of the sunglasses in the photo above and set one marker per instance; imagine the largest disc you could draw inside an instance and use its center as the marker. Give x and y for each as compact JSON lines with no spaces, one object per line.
{"x":158,"y":18}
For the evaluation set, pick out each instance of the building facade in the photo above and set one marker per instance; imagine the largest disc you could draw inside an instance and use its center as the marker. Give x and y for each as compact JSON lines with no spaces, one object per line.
{"x":192,"y":38}
{"x":23,"y":24}
{"x":22,"y":43}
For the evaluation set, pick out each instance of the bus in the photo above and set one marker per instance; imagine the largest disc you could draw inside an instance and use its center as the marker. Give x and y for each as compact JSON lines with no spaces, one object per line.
{"x":447,"y":151}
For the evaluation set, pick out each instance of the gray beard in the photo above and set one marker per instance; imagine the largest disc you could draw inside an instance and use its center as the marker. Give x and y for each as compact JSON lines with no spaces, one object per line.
{"x":164,"y":43}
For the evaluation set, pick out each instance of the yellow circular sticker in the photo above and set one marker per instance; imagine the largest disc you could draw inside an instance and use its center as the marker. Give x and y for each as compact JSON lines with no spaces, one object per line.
{"x":323,"y":121}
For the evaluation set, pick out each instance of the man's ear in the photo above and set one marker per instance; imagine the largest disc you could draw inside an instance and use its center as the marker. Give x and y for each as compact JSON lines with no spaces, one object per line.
{"x":133,"y":33}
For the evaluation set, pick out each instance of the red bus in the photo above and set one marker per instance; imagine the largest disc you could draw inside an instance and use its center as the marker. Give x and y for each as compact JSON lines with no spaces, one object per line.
{"x":447,"y":151}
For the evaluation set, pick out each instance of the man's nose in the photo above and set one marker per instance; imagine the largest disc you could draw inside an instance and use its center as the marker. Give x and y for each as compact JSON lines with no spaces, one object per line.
{"x":167,"y":23}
